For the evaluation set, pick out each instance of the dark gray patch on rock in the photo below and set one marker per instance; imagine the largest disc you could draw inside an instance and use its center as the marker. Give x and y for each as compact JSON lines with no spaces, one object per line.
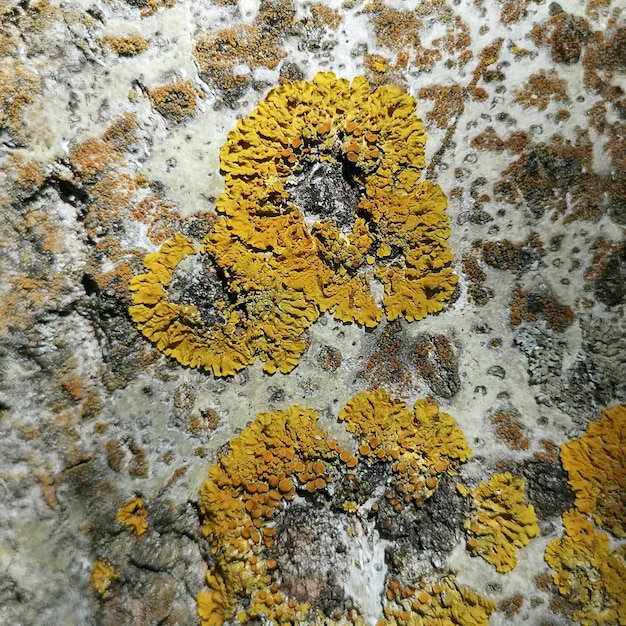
{"x":435,"y":362}
{"x":312,"y":558}
{"x":198,"y":282}
{"x":610,"y":288}
{"x":326,"y":192}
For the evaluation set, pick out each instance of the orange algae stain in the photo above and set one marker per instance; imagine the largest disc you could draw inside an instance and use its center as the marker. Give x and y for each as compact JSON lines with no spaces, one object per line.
{"x":596,"y":466}
{"x":500,"y":521}
{"x":134,"y":515}
{"x":588,"y":573}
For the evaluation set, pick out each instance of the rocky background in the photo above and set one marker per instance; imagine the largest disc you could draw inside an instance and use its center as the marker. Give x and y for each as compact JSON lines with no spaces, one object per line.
{"x":112,"y":115}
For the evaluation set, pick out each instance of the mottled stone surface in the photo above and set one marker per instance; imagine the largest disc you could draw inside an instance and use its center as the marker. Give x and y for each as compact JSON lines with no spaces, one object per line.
{"x":112,"y":115}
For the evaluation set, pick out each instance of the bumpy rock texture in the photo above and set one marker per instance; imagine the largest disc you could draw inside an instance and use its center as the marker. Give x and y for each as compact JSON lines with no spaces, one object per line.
{"x":359,"y":219}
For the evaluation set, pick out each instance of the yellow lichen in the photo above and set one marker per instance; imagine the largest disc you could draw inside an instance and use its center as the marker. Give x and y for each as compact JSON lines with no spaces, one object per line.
{"x":421,"y":444}
{"x":177,"y":329}
{"x":262,"y":469}
{"x":588,"y":573}
{"x":284,"y":267}
{"x":439,"y":603}
{"x":285,"y":452}
{"x":500,"y":521}
{"x":349,"y":506}
{"x":596,"y":466}
{"x":102,"y":575}
{"x":134,"y":515}
{"x":375,"y":136}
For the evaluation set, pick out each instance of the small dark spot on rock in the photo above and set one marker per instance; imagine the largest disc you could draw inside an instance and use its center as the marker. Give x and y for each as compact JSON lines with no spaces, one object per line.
{"x":90,"y":285}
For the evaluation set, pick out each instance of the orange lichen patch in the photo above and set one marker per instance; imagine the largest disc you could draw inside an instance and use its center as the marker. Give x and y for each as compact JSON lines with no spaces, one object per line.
{"x":603,"y":60}
{"x":46,"y":481}
{"x":175,"y":101}
{"x":528,"y":307}
{"x":511,"y":606}
{"x":586,"y":572}
{"x":556,"y":177}
{"x":616,"y":183}
{"x":380,"y":70}
{"x":565,"y":34}
{"x":401,"y":32}
{"x":515,"y":257}
{"x":509,"y":429}
{"x":596,"y":465}
{"x":441,"y":602}
{"x":134,"y":515}
{"x":256,"y":45}
{"x":435,"y":363}
{"x":603,"y":271}
{"x":541,"y":89}
{"x":102,"y":575}
{"x":489,"y":140}
{"x":126,"y":46}
{"x":324,"y":17}
{"x":18,"y":88}
{"x":149,"y":7}
{"x":386,"y":367}
{"x":29,"y":175}
{"x":94,"y":157}
{"x":448,"y":102}
{"x":500,"y":521}
{"x":513,"y":10}
{"x":395,"y":29}
{"x":37,"y":17}
{"x":177,"y":329}
{"x":122,"y":133}
{"x":421,"y":444}
{"x":476,"y":278}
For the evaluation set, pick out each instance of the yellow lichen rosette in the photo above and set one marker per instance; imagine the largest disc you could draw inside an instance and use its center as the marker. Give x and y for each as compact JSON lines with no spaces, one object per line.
{"x":286,"y":253}
{"x":284,"y":457}
{"x":398,"y":230}
{"x":177,"y":329}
